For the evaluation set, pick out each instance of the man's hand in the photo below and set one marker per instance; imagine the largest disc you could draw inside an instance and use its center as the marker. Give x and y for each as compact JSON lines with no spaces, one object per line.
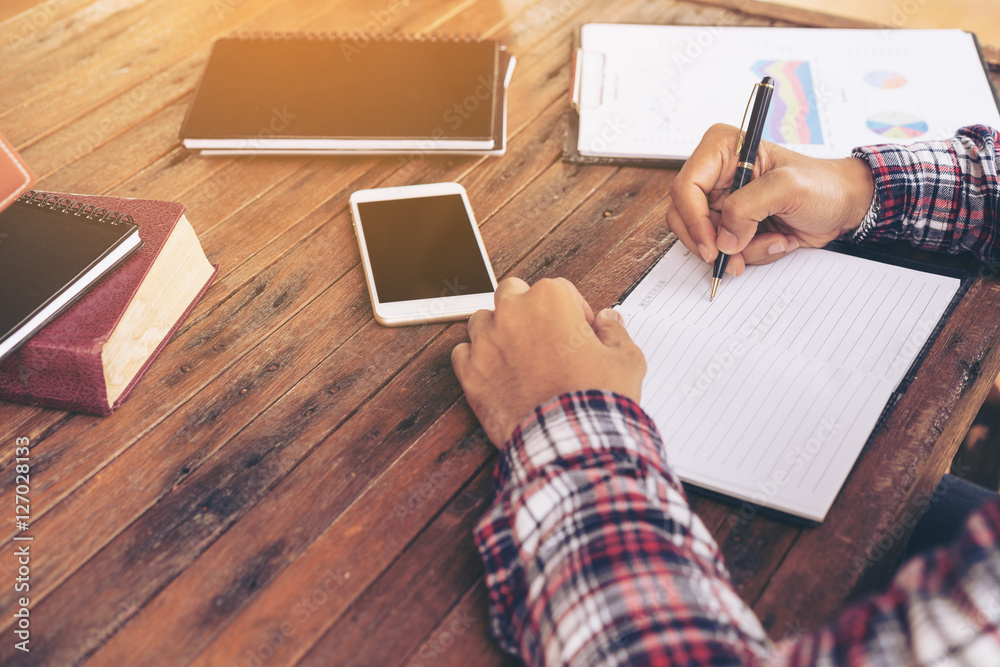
{"x":793,"y":201}
{"x":538,"y":343}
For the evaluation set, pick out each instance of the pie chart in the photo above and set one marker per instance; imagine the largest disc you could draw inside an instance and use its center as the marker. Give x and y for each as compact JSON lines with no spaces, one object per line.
{"x":885,"y":79}
{"x":897,"y":125}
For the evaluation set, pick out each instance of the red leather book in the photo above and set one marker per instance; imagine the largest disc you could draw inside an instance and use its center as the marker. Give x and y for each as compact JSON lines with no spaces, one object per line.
{"x":91,"y":356}
{"x":15,"y":176}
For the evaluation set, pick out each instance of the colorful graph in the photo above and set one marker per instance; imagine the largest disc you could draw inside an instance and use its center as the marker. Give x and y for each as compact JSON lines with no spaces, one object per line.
{"x":896,"y":125}
{"x":793,"y":118}
{"x":885,"y":79}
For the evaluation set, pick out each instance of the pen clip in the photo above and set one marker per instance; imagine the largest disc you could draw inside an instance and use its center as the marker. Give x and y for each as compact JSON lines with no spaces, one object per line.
{"x":739,"y":144}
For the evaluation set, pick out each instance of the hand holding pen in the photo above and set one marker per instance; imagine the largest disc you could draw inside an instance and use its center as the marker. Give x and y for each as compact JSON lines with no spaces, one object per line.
{"x":746,"y":149}
{"x":794,"y":201}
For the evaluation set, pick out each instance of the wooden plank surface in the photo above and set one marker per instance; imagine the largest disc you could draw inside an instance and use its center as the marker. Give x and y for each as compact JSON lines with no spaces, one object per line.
{"x":972,"y":15}
{"x":274,"y":491}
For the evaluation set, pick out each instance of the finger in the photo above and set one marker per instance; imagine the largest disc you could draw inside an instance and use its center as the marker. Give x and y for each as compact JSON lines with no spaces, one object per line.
{"x":736,"y":265}
{"x":460,"y":358}
{"x":765,"y":248}
{"x":677,"y":226}
{"x":574,"y":294}
{"x":479,"y":322}
{"x":610,"y":328}
{"x":710,"y":167}
{"x":744,"y":210}
{"x":510,"y":287}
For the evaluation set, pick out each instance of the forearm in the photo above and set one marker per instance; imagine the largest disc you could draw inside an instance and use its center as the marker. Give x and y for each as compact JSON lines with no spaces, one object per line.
{"x":593,"y":557}
{"x":592,"y":554}
{"x":941,"y":195}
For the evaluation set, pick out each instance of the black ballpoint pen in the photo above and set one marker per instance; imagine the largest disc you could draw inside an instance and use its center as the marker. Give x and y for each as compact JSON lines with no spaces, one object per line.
{"x":747,"y":152}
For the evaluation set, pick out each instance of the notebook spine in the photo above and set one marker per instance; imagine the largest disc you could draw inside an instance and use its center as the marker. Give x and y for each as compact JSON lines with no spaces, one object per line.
{"x":356,"y":35}
{"x":79,"y":209}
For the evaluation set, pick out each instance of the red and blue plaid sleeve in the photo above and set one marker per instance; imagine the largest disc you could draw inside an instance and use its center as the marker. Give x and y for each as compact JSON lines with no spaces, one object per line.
{"x":940,"y":195}
{"x":593,"y":557}
{"x":592,"y":554}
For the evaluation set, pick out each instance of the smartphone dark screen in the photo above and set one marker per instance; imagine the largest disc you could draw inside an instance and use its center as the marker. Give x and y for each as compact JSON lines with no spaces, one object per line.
{"x":422,"y":248}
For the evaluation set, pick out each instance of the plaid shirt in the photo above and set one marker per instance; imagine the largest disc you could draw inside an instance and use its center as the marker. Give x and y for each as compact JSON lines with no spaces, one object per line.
{"x":593,"y":556}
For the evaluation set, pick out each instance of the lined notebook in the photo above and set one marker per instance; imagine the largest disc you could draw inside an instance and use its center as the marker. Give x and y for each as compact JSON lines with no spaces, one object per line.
{"x":769,"y":393}
{"x":339,"y":93}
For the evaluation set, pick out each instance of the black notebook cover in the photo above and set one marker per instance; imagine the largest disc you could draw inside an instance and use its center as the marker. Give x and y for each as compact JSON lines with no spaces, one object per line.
{"x":338,"y":87}
{"x":47,"y":247}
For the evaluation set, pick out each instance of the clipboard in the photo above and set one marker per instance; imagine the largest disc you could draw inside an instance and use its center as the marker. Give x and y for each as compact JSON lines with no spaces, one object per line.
{"x":571,"y":152}
{"x":582,"y":62}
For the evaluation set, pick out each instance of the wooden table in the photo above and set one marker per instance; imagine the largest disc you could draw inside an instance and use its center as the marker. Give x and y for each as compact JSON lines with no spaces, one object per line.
{"x":292,"y":483}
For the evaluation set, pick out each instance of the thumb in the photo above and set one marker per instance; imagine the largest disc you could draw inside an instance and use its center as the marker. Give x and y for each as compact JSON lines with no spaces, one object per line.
{"x":610,"y":328}
{"x":744,"y":210}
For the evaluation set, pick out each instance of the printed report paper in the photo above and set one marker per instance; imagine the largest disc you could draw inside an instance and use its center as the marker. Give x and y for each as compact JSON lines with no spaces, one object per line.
{"x":651,"y":91}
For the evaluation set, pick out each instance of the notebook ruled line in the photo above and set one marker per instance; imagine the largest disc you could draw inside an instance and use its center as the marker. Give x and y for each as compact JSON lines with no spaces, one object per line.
{"x":796,"y":356}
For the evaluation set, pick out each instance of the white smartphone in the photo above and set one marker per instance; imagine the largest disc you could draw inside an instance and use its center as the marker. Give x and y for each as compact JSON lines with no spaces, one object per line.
{"x":423,"y":256}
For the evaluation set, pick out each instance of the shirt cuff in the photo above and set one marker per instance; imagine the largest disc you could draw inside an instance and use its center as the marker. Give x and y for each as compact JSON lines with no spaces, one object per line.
{"x":933,"y":193}
{"x":576,"y":426}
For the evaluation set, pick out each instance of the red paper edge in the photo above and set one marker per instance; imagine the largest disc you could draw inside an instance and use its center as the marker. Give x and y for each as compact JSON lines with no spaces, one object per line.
{"x":29,"y":176}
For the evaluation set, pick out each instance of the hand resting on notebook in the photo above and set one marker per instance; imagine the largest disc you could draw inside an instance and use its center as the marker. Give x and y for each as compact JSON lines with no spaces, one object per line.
{"x":541,"y":342}
{"x":793,"y":201}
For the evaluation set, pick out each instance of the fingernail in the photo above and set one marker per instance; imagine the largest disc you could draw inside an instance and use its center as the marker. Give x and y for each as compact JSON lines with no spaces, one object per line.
{"x":726,"y":241}
{"x":775,"y":248}
{"x":613,"y":314}
{"x":793,"y":243}
{"x":705,"y":253}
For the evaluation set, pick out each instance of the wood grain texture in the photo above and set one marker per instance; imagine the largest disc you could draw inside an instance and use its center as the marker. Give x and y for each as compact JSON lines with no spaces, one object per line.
{"x":878,"y":15}
{"x":292,"y":483}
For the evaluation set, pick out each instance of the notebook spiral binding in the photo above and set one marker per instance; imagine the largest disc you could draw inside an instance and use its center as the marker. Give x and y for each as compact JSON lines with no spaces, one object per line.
{"x":79,"y":209}
{"x":356,"y":36}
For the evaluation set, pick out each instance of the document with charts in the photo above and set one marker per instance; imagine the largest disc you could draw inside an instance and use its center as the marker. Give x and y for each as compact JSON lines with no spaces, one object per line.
{"x":769,"y":393}
{"x":651,"y":91}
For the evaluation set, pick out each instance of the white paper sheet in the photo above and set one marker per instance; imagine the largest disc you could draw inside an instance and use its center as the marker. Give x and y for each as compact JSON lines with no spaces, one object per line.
{"x":769,"y":393}
{"x":653,"y":91}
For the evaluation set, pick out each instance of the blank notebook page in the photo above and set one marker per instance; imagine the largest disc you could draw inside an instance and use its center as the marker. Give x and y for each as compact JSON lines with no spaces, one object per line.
{"x":770,"y":392}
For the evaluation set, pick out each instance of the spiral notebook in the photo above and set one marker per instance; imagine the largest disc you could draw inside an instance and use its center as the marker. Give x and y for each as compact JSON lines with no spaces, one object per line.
{"x":293,"y":93}
{"x":93,"y":354}
{"x":51,"y":253}
{"x":769,"y":393}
